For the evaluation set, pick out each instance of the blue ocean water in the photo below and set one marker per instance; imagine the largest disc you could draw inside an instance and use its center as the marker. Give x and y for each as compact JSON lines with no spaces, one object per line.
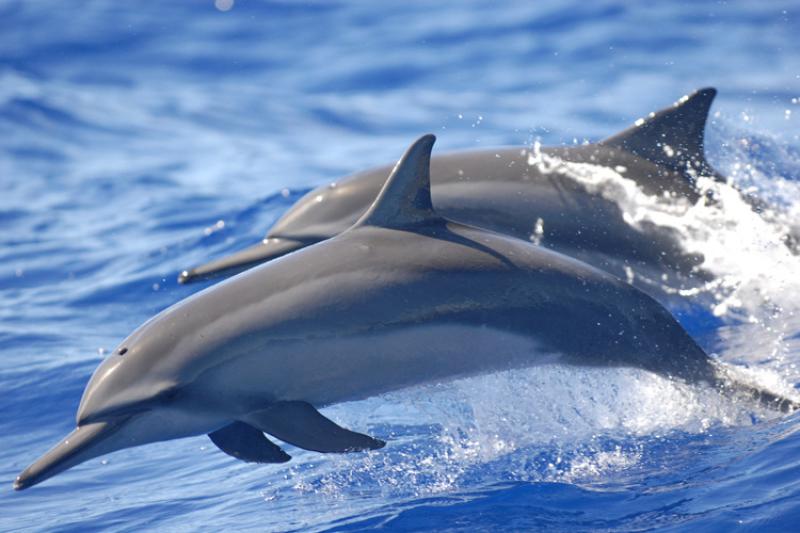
{"x":140,"y":138}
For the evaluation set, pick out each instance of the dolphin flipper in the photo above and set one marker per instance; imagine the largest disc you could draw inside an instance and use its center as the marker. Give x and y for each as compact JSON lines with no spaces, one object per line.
{"x":248,"y":444}
{"x":300,"y":424}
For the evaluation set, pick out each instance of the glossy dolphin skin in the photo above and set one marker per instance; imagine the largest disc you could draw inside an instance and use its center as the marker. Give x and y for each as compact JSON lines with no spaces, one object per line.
{"x":402,"y":298}
{"x":509,"y":191}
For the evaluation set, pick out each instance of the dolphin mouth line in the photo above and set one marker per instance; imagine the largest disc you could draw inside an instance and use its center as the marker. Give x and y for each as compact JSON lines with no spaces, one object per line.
{"x":67,"y":453}
{"x":112,"y":416}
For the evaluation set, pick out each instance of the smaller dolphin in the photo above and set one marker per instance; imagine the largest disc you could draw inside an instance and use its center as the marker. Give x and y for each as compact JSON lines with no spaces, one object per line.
{"x":503,"y":190}
{"x":404,"y":297}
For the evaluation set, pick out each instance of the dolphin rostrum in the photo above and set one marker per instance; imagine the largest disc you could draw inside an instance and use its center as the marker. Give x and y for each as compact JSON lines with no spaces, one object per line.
{"x":509,"y":191}
{"x":402,"y":298}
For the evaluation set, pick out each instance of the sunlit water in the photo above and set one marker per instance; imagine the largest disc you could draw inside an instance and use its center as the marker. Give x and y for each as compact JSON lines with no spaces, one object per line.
{"x":141,"y":138}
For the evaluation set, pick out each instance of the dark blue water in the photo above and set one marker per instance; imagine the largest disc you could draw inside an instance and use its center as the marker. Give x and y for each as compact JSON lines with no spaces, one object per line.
{"x":140,"y":138}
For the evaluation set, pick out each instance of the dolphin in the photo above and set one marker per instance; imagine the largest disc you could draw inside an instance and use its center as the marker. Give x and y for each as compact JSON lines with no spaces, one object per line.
{"x":509,"y":191}
{"x":403,"y":297}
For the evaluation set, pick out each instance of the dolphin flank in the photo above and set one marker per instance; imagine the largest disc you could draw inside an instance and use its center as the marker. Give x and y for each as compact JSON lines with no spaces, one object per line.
{"x":403,"y":297}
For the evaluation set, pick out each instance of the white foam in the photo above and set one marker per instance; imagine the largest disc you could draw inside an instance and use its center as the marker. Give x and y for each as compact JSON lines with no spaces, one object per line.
{"x":548,"y":423}
{"x":755,"y":274}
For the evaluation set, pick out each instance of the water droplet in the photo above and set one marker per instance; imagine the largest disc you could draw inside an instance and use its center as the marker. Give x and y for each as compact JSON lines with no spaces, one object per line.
{"x":224,"y":5}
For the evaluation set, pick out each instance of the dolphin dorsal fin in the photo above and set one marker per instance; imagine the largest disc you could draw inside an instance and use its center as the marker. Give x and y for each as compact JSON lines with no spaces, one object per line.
{"x":672,"y":137}
{"x":406,"y":196}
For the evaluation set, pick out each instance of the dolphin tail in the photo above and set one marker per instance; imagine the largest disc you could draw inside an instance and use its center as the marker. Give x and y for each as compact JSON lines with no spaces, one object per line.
{"x":268,"y":249}
{"x":673,"y":137}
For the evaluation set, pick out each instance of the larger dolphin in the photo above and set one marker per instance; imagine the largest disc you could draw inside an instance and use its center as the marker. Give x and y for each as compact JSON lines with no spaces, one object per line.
{"x":508,"y":191}
{"x":402,"y":298}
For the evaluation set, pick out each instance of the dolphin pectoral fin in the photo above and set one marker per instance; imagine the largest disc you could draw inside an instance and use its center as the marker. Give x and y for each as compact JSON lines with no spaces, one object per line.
{"x":300,"y":424}
{"x":248,"y":444}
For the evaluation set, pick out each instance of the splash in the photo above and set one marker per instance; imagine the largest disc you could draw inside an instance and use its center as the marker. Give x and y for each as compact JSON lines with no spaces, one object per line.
{"x":747,"y":232}
{"x":549,"y":423}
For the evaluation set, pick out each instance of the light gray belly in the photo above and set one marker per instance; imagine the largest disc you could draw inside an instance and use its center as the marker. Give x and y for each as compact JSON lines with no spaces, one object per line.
{"x":352,"y":367}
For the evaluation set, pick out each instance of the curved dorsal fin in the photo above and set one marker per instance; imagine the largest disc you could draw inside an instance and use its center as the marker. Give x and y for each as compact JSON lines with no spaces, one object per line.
{"x":672,"y":137}
{"x":406,"y":196}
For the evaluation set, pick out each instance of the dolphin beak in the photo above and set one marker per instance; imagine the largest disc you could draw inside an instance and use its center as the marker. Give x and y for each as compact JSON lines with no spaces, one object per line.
{"x":267,"y":249}
{"x":84,"y":443}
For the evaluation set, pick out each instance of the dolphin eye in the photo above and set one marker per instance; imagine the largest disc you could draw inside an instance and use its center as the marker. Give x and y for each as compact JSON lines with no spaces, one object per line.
{"x":122,"y":351}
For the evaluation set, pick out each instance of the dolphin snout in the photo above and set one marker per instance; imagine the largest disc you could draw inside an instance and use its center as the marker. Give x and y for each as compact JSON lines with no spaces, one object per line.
{"x":266,"y":250}
{"x":84,"y":443}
